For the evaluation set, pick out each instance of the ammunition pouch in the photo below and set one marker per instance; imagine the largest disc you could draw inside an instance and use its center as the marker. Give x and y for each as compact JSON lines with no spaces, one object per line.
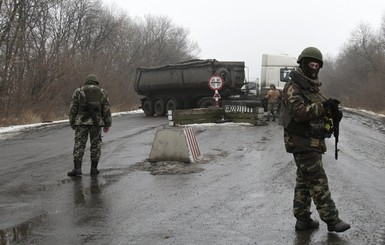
{"x":319,"y":130}
{"x":322,"y":129}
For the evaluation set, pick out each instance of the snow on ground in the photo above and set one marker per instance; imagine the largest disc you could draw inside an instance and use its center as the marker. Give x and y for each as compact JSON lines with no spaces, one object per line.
{"x":16,"y":128}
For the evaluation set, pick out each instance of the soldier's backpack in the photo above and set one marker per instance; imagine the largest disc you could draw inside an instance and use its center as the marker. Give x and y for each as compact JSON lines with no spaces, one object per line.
{"x":91,"y":105}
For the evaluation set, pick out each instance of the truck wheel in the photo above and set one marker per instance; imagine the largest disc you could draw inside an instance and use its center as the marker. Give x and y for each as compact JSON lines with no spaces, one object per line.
{"x":224,"y":73}
{"x":171,"y":105}
{"x":206,"y":102}
{"x":159,"y":107}
{"x":148,"y":108}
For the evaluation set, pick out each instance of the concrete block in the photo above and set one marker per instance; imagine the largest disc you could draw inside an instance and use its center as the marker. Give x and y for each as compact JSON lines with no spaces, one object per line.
{"x":175,"y":144}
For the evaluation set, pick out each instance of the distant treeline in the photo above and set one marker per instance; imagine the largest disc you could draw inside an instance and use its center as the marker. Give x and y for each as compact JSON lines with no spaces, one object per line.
{"x":47,"y":47}
{"x":357,"y":75}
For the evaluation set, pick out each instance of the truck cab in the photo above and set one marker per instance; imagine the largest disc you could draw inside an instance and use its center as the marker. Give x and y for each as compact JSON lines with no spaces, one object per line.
{"x":274,"y":69}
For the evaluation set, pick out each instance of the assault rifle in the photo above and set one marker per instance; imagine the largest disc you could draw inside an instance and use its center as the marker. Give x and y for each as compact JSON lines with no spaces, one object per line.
{"x":336,"y":132}
{"x":337,"y":116}
{"x":331,"y":105}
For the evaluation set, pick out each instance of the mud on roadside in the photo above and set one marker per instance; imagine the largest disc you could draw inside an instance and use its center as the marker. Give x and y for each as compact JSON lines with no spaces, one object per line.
{"x":168,"y":168}
{"x":175,"y":167}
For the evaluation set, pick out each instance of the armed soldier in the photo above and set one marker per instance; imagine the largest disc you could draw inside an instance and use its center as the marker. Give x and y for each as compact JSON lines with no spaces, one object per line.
{"x":308,"y":118}
{"x":89,"y":113}
{"x":273,"y":97}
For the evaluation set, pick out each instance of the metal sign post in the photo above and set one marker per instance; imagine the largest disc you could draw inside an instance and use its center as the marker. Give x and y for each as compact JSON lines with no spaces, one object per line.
{"x":217,"y":97}
{"x":216,"y":83}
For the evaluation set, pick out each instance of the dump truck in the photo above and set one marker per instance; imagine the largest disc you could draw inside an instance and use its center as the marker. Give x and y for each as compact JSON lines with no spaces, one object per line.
{"x":185,"y":85}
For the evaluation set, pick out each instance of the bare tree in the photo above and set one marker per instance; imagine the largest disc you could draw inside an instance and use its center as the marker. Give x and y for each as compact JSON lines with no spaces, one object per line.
{"x":356,"y":76}
{"x":47,"y":47}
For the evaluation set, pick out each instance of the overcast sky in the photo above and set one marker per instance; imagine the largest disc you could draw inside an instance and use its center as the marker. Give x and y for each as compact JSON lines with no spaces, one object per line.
{"x":244,"y":30}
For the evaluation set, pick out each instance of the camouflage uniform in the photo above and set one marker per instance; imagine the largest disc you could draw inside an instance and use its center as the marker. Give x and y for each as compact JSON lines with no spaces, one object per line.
{"x":273,"y":97}
{"x":89,"y":113}
{"x":305,"y":128}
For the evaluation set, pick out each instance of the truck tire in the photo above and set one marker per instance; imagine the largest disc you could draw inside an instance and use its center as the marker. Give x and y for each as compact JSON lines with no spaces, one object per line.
{"x":206,"y":102}
{"x":224,"y":73}
{"x":171,"y":105}
{"x":160,"y":107}
{"x":148,"y":108}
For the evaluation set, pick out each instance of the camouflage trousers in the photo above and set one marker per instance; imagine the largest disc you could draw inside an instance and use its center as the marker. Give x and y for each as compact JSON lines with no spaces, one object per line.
{"x":81,"y":136}
{"x":312,"y":183}
{"x":272,"y":109}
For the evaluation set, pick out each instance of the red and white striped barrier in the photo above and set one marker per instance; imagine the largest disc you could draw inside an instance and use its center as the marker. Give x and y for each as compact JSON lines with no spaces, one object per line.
{"x":192,"y":144}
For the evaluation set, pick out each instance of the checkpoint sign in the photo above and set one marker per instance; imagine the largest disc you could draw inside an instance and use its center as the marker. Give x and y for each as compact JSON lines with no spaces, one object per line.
{"x":216,"y":82}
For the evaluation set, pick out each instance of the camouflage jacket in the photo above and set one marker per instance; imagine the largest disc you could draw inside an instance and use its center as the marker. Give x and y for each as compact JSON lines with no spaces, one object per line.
{"x":301,"y":111}
{"x":273,"y":95}
{"x":77,"y":116}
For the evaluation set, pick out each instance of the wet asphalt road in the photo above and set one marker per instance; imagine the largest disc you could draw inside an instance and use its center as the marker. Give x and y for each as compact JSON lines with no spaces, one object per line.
{"x":240,"y":193}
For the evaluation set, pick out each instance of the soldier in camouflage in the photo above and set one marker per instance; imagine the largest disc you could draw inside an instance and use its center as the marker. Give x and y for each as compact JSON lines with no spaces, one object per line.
{"x":273,"y":97}
{"x":89,"y":113}
{"x":306,"y":121}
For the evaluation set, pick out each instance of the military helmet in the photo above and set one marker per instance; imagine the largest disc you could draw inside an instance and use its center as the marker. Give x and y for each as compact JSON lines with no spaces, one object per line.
{"x":92,"y":78}
{"x":311,"y":52}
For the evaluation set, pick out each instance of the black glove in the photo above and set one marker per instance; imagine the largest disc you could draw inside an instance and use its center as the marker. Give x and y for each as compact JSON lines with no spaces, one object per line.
{"x":331,"y":105}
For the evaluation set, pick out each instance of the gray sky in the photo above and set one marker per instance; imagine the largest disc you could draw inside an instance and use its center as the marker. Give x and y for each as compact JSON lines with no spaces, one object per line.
{"x":244,"y":30}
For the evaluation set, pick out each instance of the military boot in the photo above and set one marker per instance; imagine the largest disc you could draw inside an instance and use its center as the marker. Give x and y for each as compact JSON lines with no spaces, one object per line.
{"x":301,"y":225}
{"x":339,"y":226}
{"x":77,"y":170}
{"x":94,"y":168}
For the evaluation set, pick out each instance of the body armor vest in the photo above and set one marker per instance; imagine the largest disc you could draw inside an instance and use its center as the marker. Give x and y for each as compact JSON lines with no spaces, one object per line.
{"x":318,"y":128}
{"x":91,"y":100}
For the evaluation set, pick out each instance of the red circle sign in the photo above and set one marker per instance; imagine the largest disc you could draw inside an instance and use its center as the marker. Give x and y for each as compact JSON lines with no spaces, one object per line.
{"x":216,"y":82}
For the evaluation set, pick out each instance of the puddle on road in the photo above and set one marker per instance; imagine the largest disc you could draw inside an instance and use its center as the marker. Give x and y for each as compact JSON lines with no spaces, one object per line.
{"x":21,"y":230}
{"x":107,"y":177}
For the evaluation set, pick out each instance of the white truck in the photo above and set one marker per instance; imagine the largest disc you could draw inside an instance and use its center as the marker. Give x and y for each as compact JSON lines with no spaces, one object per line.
{"x":274,"y":69}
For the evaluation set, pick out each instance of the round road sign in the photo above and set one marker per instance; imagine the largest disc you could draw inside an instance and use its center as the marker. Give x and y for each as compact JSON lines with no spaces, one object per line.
{"x":216,"y":82}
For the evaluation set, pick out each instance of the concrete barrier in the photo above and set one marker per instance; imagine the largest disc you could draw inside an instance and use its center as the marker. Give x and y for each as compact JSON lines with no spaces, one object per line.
{"x":193,"y":116}
{"x":230,"y":113}
{"x":175,"y":144}
{"x":254,"y":116}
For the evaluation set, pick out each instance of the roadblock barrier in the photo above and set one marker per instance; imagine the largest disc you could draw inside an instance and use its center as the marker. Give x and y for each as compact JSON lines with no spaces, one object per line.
{"x":233,"y":113}
{"x":252,"y":115}
{"x":192,"y":144}
{"x":175,"y":144}
{"x":198,"y":115}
